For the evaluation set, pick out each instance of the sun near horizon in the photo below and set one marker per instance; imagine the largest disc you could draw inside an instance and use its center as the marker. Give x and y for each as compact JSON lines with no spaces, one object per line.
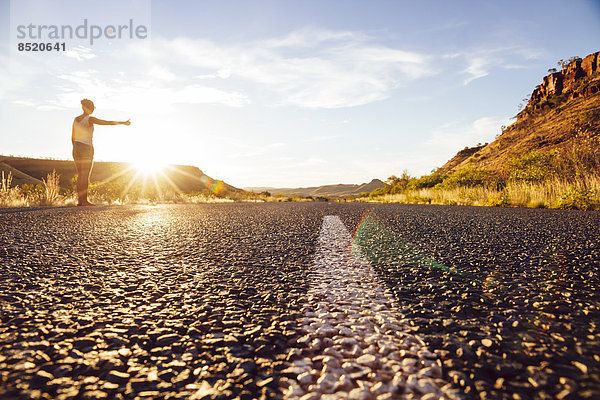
{"x":148,"y":166}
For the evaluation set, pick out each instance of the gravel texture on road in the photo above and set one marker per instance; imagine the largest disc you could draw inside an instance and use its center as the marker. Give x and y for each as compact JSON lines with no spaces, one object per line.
{"x":207,"y":301}
{"x":154,"y":302}
{"x":509,"y":298}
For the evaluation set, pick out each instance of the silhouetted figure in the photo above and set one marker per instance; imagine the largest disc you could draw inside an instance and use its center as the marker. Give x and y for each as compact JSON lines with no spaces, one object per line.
{"x":83,"y":148}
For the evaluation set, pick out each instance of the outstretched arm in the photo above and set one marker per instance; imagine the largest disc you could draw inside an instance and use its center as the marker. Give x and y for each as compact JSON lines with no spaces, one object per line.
{"x":98,"y":121}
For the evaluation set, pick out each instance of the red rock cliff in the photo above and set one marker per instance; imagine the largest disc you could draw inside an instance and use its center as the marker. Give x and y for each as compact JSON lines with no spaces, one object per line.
{"x":570,"y":82}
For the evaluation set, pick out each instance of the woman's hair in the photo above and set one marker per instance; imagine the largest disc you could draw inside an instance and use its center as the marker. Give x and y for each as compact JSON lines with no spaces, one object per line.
{"x":87,"y":103}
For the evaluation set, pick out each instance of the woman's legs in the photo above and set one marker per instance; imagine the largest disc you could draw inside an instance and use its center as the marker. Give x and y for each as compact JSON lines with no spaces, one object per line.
{"x":83,"y":156}
{"x":83,"y":181}
{"x":79,"y":188}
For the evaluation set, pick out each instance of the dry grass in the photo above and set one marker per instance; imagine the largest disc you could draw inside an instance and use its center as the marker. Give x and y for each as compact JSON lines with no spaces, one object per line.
{"x":206,"y":199}
{"x":10,"y":196}
{"x":52,"y":186}
{"x":554,"y":193}
{"x":32,"y":195}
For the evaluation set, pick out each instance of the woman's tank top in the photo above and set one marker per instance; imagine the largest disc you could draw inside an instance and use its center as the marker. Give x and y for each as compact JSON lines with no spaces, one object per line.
{"x":83,"y":131}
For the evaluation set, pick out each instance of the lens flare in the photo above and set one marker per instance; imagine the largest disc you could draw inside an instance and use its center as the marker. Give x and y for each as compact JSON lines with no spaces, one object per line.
{"x":215,"y":186}
{"x":381,"y":245}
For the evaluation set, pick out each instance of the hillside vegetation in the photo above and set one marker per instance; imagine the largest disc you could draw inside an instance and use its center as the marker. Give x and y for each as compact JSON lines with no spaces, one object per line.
{"x":549,"y":157}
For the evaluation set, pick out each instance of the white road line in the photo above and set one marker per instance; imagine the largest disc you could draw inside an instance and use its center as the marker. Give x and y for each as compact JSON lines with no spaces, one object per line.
{"x":356,"y":346}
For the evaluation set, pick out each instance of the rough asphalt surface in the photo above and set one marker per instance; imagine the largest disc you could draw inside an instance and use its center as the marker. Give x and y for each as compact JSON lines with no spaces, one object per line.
{"x":204,"y":301}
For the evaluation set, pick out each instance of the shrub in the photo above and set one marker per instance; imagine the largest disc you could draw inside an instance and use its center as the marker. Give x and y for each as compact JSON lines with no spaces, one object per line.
{"x":380,"y":191}
{"x":577,"y":199}
{"x":533,"y":167}
{"x":398,"y":184}
{"x":34,"y":194}
{"x":427,"y":181}
{"x":469,"y":177}
{"x":557,"y":99}
{"x":579,"y":158}
{"x":499,"y":199}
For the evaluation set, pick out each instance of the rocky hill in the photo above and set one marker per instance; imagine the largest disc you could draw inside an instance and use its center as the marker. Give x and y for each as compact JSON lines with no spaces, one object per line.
{"x":563,"y":113}
{"x":572,"y":82}
{"x":187,"y":179}
{"x":339,"y":190}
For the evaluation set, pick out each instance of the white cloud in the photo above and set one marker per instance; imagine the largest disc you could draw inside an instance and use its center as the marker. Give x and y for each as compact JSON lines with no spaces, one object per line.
{"x":321,"y":138}
{"x":148,"y":93}
{"x":307,"y":68}
{"x":480,"y":63}
{"x":79,"y":53}
{"x":161,"y":73}
{"x":25,"y":103}
{"x":458,"y":135}
{"x":309,"y":37}
{"x":449,"y":139}
{"x":514,"y":66}
{"x":478,"y":68}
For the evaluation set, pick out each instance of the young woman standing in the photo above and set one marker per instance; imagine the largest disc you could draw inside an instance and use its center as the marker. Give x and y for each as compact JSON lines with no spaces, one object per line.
{"x":83,"y":148}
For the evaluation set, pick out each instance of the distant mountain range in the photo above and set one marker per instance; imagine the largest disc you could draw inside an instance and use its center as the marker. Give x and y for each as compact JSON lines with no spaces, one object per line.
{"x":339,"y":190}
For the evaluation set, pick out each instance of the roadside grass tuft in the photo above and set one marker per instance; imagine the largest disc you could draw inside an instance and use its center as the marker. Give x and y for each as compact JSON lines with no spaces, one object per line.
{"x":10,"y":196}
{"x":51,"y":184}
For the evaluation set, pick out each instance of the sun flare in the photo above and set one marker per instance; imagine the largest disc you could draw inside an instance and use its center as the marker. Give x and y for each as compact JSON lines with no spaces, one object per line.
{"x":148,"y":166}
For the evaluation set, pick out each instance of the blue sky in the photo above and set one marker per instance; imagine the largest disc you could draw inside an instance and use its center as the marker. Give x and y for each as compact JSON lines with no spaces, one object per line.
{"x":287,"y":93}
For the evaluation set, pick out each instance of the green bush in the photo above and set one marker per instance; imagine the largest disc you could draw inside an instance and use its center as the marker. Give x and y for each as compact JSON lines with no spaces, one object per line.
{"x":557,"y":99}
{"x":427,"y":181}
{"x":380,"y":192}
{"x":577,"y":199}
{"x":398,"y":184}
{"x":533,"y":167}
{"x":500,"y":199}
{"x":469,"y":177}
{"x":33,"y":194}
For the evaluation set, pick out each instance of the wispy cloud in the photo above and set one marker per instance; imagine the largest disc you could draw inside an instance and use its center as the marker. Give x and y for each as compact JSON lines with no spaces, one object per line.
{"x":478,"y":68}
{"x":321,"y":138}
{"x":447,"y":140}
{"x":148,"y":92}
{"x":311,"y":37}
{"x":307,"y":68}
{"x":80,"y":53}
{"x":481,"y":62}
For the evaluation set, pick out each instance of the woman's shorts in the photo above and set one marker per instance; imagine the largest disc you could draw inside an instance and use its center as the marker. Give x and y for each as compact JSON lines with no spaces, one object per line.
{"x":83,"y":152}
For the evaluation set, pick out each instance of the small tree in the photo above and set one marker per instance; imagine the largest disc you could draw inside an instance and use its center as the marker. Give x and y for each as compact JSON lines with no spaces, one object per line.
{"x":565,"y":63}
{"x":398,"y":184}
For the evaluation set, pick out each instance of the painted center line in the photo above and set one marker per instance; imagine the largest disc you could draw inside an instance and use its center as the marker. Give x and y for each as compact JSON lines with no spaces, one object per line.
{"x":356,"y":344}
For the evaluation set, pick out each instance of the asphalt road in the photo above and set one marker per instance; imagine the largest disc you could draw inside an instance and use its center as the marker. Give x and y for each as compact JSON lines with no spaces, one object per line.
{"x":152,"y":301}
